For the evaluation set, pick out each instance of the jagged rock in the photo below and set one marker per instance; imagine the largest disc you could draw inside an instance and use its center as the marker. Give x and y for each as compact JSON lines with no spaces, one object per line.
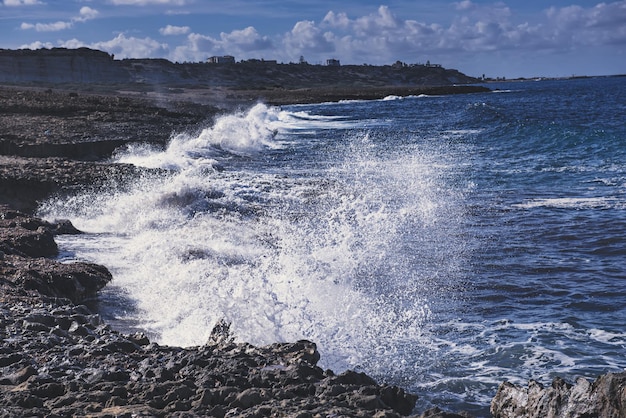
{"x":605,"y":397}
{"x":60,"y":360}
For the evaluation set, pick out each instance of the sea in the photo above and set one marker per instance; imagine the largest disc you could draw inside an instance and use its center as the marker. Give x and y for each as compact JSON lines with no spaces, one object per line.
{"x":444,"y":244}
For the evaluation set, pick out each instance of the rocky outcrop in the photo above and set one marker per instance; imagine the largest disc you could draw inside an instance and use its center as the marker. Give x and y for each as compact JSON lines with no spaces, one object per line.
{"x":58,"y":358}
{"x":75,"y":124}
{"x":24,"y":182}
{"x":605,"y":398}
{"x":25,"y":242}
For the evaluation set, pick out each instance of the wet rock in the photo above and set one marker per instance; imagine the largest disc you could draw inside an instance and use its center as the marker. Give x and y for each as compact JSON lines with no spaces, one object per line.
{"x":75,"y":281}
{"x":605,"y":397}
{"x":26,"y":237}
{"x":64,"y":227}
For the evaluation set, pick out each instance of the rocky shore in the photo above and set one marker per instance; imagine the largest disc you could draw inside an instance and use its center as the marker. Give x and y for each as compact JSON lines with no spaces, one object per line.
{"x":58,"y":358}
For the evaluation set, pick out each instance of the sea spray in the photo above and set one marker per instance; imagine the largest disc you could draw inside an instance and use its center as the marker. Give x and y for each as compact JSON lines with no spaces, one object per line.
{"x":281,"y":253}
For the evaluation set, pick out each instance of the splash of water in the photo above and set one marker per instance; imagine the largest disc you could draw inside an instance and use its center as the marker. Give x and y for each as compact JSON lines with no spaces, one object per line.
{"x":281,"y":255}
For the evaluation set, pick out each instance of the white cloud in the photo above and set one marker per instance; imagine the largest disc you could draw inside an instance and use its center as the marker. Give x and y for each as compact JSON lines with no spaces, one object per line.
{"x":305,"y":38}
{"x":37,"y":45}
{"x":124,"y":47}
{"x":47,"y":27}
{"x":336,"y":20}
{"x":476,"y":28}
{"x":84,"y":14}
{"x":247,"y":39}
{"x":17,"y":3}
{"x":464,"y":5}
{"x":244,"y":43}
{"x":599,"y":25}
{"x":174,"y":30}
{"x":375,"y":24}
{"x":381,"y":37}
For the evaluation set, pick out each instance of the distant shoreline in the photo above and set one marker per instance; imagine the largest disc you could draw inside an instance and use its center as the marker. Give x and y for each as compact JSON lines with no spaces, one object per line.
{"x":228,"y":98}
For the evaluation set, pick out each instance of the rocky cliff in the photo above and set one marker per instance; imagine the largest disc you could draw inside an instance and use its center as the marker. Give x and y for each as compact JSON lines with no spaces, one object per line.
{"x":87,"y":66}
{"x":60,"y":65}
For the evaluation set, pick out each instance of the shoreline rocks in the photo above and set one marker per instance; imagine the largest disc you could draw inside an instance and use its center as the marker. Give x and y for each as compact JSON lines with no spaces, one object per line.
{"x":57,"y":358}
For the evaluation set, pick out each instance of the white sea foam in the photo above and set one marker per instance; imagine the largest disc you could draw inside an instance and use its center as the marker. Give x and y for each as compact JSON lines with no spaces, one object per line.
{"x":572,"y":203}
{"x":613,"y":338}
{"x":280,"y":256}
{"x":369,"y":241}
{"x":391,"y":98}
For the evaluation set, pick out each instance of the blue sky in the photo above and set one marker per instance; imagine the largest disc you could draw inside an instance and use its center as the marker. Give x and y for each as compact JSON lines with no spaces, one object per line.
{"x":497,"y":38}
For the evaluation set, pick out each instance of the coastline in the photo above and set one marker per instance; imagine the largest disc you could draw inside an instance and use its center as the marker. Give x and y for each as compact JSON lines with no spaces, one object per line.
{"x":59,"y":358}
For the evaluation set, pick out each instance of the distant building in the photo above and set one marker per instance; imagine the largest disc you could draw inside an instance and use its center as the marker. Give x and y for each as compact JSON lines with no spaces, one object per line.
{"x":256,"y":61}
{"x":332,"y":62}
{"x":224,"y":59}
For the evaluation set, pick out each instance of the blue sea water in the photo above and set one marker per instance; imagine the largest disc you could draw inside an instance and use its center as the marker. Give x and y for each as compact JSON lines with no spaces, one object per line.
{"x":441,"y":243}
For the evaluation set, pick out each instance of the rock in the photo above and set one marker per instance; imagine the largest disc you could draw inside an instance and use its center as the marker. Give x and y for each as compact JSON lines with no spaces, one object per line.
{"x":75,"y":281}
{"x":605,"y":397}
{"x":249,"y":398}
{"x":49,"y":390}
{"x":397,"y":399}
{"x":19,"y":376}
{"x":438,"y":413}
{"x":9,"y":359}
{"x":26,"y":237}
{"x":64,"y":227}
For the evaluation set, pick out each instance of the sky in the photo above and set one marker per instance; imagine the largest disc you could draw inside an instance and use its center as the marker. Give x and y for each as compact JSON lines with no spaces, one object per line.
{"x":522,"y":38}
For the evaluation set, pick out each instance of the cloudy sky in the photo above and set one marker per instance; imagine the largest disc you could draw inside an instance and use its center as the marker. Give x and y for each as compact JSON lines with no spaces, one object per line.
{"x":510,"y":38}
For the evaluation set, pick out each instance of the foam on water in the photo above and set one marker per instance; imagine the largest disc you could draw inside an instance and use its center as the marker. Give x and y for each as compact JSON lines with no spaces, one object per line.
{"x":573,"y":203}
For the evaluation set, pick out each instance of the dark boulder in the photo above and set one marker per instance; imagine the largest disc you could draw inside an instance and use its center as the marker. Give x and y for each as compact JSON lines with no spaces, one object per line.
{"x":75,"y":281}
{"x":25,"y":236}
